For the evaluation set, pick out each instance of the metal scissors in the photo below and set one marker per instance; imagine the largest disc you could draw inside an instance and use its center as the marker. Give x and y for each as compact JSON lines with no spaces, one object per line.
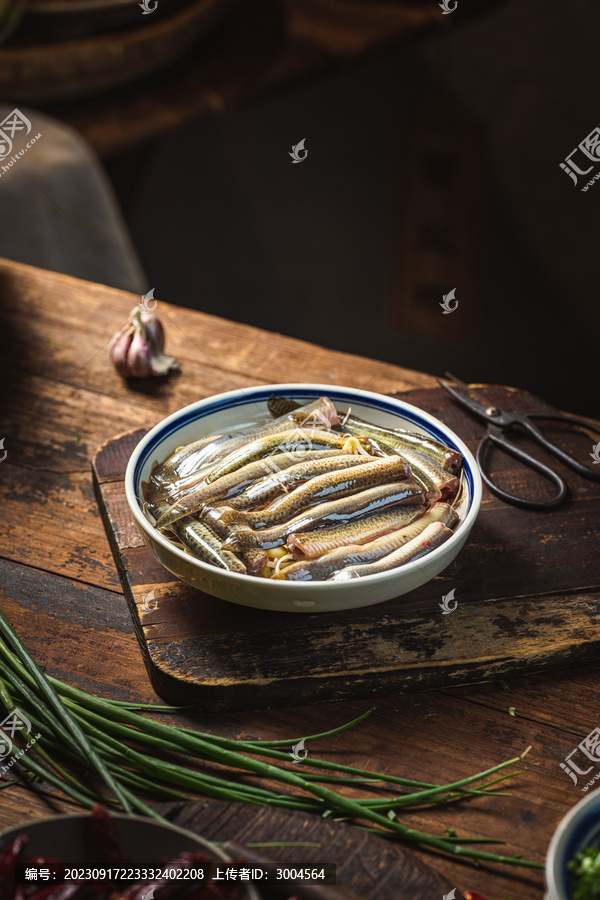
{"x":500,"y":421}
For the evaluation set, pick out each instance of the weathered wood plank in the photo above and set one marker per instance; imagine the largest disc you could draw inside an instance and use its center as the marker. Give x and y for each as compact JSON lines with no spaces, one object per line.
{"x":23,"y":805}
{"x":522,"y":606}
{"x":56,"y":428}
{"x":53,"y":616}
{"x":215,"y":355}
{"x":52,"y":521}
{"x":364,"y":863}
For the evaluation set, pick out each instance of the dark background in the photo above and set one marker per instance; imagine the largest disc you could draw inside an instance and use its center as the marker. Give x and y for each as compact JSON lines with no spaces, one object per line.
{"x":224,"y":221}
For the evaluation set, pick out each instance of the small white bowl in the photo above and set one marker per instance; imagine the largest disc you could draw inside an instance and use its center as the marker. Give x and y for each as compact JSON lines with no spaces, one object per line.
{"x":236,"y":408}
{"x":580,"y":828}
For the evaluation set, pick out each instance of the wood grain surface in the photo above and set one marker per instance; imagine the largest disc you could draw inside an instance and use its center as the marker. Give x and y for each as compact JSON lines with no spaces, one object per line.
{"x":60,"y":400}
{"x":515,"y":612}
{"x":362,"y":865}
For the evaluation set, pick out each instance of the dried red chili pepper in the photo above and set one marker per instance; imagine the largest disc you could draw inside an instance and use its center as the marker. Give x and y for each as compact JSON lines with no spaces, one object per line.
{"x":107,"y":842}
{"x":8,"y":858}
{"x":107,"y":839}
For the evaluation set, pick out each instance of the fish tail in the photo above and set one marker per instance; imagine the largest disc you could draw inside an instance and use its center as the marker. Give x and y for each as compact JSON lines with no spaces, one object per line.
{"x":254,"y":560}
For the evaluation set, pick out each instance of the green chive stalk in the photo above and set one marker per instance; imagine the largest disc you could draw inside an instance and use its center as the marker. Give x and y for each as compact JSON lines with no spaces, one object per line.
{"x":100,"y":736}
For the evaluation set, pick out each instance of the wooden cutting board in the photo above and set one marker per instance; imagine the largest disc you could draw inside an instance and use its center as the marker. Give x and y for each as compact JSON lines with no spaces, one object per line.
{"x":365,"y":864}
{"x":527,"y":584}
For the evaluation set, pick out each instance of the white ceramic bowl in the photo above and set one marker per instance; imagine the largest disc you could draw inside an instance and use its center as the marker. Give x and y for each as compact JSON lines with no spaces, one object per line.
{"x":580,"y":828}
{"x":236,"y":408}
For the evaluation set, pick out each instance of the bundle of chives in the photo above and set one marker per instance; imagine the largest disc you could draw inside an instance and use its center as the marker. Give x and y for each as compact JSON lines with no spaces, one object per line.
{"x":90,"y":732}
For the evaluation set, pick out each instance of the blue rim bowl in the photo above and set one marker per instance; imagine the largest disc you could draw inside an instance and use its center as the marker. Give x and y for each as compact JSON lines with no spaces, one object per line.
{"x":244,"y":406}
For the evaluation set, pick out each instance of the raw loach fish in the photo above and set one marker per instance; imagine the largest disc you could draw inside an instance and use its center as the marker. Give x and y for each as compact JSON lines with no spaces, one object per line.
{"x":360,"y":554}
{"x":432,"y":537}
{"x":309,"y":544}
{"x":334,"y":511}
{"x":266,"y":489}
{"x":325,"y":487}
{"x":397,"y":438}
{"x":226,"y":487}
{"x":309,"y":495}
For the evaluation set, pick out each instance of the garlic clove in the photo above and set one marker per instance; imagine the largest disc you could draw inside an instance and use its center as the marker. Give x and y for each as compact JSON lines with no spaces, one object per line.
{"x":137,"y":349}
{"x":119,"y":349}
{"x":154,"y":330}
{"x":162,"y":365}
{"x":138,"y":357}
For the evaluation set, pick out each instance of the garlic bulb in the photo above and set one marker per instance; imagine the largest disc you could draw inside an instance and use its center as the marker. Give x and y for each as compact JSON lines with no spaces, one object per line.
{"x":137,"y":349}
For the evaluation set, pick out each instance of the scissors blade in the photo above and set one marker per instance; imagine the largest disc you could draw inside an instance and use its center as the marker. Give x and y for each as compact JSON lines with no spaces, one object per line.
{"x":487,"y":413}
{"x":459,"y":383}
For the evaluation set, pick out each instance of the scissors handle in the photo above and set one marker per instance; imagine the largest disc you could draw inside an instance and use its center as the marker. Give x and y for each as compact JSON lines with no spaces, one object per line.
{"x":558,"y":451}
{"x":495,"y":436}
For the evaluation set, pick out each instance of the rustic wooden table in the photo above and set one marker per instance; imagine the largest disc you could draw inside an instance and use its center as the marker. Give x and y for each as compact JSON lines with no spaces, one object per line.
{"x":61,"y":399}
